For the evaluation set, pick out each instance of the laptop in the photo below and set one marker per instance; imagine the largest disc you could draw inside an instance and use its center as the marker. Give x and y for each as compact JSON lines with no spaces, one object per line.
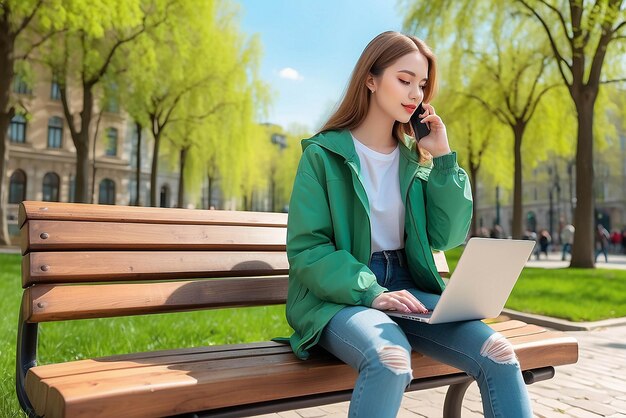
{"x":481,"y":283}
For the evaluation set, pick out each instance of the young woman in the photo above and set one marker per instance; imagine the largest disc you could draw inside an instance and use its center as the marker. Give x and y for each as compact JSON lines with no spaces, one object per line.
{"x":369,"y":204}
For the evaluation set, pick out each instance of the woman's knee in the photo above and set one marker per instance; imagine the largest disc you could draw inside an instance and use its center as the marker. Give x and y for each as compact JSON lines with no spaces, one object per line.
{"x":499,"y":350}
{"x":394,"y":358}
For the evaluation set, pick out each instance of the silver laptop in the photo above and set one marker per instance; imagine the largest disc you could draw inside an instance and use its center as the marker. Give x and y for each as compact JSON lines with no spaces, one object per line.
{"x":481,"y":283}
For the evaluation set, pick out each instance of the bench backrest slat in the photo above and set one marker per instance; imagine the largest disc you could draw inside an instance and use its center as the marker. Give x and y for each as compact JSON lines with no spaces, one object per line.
{"x":45,"y":303}
{"x":90,"y":266}
{"x":129,"y":214}
{"x":79,"y":235}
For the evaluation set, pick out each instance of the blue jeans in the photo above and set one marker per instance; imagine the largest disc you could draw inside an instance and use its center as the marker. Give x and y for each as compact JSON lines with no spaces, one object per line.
{"x":379,"y":347}
{"x":567,"y":249}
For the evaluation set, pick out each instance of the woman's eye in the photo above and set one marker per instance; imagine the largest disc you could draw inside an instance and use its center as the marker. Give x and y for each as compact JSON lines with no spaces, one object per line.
{"x":405,"y":82}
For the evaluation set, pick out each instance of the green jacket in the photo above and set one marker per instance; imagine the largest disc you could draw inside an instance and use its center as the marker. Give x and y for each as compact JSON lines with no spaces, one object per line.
{"x":328,"y":229}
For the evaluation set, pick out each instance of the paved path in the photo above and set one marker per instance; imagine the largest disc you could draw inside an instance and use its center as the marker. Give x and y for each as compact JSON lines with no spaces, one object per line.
{"x":594,"y":387}
{"x":616,"y":261}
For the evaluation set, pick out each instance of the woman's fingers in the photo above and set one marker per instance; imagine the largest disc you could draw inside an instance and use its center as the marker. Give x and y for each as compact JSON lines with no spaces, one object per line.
{"x":411,"y":301}
{"x":402,"y":301}
{"x":431,"y":119}
{"x":428,"y":109}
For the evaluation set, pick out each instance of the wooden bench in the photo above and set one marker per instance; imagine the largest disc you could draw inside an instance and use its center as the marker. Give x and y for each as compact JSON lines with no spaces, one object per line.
{"x":95,"y":261}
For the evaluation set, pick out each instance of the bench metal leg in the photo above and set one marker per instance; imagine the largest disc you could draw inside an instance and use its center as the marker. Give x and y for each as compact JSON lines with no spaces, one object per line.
{"x":26,"y":358}
{"x":454,"y":399}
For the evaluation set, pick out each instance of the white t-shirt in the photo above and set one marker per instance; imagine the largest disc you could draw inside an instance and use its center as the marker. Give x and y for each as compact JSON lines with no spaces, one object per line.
{"x":380,"y":175}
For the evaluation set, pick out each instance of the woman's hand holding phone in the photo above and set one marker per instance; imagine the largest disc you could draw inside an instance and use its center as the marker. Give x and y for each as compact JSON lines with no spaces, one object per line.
{"x":436,"y":141}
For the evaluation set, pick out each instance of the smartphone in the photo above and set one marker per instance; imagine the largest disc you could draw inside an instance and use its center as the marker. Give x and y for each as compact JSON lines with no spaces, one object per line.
{"x":420,"y":129}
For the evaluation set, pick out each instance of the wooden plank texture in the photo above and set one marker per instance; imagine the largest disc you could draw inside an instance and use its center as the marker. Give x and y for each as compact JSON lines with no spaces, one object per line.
{"x":57,"y":235}
{"x":510,"y":329}
{"x":67,"y":302}
{"x":98,"y":266}
{"x":129,"y":214}
{"x":173,"y":384}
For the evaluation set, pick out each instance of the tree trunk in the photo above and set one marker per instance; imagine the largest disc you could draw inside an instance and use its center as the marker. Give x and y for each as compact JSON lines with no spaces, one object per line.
{"x":93,"y":161}
{"x":184,"y":151}
{"x":138,"y":171}
{"x":155,"y":167}
{"x":7,"y":42}
{"x":518,"y":132}
{"x":584,"y":238}
{"x":81,"y":142}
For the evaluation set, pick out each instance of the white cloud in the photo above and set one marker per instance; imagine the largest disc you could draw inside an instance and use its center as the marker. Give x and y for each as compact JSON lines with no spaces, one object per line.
{"x":290,"y":74}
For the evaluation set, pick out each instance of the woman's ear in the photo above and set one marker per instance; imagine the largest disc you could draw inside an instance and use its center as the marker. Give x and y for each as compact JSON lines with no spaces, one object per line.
{"x":370,"y":84}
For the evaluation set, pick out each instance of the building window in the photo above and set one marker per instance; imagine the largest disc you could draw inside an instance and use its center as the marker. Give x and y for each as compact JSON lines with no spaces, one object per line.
{"x":165,"y":196}
{"x":20,"y":86}
{"x":17,"y":187}
{"x":55,"y":132}
{"x":51,"y":187}
{"x":111,"y":149}
{"x":17,"y":129}
{"x":107,"y":192}
{"x":55,"y":88}
{"x":111,"y":102}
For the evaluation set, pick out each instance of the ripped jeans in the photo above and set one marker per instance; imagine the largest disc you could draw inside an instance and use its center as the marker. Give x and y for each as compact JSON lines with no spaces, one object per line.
{"x":378,"y":348}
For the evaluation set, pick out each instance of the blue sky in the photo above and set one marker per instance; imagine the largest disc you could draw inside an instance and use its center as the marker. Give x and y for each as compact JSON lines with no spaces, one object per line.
{"x":310,"y":48}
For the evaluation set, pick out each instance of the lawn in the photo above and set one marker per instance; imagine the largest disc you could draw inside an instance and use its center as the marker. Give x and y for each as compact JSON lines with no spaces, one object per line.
{"x":568,"y":293}
{"x":575,"y":294}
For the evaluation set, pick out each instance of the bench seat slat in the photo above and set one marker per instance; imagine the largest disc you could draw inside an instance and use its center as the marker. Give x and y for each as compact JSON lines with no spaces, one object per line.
{"x":510,"y":329}
{"x":89,"y":266}
{"x":182,"y":355}
{"x":197,"y":384}
{"x":45,"y":235}
{"x":87,"y":212}
{"x":67,"y":302}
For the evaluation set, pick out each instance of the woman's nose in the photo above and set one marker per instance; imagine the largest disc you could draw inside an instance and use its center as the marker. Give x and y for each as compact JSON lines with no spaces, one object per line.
{"x":416,"y":94}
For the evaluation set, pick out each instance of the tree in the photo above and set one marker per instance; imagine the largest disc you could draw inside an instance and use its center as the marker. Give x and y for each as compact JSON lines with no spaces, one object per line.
{"x":18,"y":41}
{"x":198,"y":72}
{"x":514,"y":74}
{"x":581,"y":37}
{"x":96,"y":34}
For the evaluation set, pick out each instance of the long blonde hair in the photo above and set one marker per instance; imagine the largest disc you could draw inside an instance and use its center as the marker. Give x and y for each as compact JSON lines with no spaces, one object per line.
{"x":380,"y":53}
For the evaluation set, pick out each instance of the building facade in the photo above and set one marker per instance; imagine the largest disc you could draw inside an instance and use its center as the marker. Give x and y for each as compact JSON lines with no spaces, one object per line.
{"x":42,"y":155}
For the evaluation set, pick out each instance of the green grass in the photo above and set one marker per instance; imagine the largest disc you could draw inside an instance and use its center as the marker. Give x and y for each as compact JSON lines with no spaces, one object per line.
{"x":569,"y":293}
{"x":575,"y":294}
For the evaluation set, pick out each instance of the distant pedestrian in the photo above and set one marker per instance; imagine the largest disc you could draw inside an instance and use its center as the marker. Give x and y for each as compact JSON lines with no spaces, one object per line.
{"x":544,"y":242}
{"x":496,"y":232}
{"x":616,"y":241}
{"x":624,"y":239}
{"x":602,"y":242}
{"x":567,"y":239}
